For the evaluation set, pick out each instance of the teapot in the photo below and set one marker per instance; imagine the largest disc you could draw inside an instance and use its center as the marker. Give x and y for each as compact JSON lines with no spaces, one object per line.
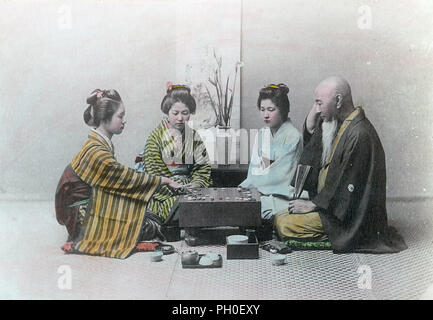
{"x":190,"y":257}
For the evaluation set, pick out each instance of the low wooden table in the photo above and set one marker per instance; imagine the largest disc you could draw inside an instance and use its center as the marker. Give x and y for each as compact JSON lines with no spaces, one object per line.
{"x":218,"y":207}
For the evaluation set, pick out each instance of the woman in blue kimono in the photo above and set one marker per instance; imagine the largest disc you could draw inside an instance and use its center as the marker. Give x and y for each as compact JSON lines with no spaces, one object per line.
{"x":276,"y":152}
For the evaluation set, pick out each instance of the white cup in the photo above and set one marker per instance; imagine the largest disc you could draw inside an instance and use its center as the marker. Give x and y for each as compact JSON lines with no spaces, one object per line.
{"x":237,"y":239}
{"x":156,"y":256}
{"x":278,"y":259}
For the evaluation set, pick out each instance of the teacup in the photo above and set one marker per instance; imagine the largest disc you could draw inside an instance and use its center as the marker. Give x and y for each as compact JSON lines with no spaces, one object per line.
{"x":213,"y":256}
{"x":156,"y":256}
{"x":278,"y":259}
{"x":205,"y":261}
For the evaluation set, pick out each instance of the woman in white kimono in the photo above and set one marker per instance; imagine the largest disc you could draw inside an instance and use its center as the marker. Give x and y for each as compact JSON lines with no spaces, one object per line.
{"x":276,"y":152}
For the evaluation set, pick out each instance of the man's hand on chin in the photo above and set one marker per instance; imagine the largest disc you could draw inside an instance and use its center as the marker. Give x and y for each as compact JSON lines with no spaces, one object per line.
{"x":301,"y":206}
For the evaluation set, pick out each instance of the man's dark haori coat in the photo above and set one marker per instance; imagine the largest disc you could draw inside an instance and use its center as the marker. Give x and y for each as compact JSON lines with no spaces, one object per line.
{"x":352,"y":204}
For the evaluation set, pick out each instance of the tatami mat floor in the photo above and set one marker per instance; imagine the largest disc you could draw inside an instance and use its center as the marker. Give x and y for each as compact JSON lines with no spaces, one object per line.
{"x":33,"y":266}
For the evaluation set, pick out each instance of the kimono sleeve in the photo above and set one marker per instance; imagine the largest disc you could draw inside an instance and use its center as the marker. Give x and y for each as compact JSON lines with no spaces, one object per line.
{"x":307,"y":135}
{"x":98,"y":168}
{"x":283,"y":168}
{"x":275,"y":178}
{"x":311,"y":156}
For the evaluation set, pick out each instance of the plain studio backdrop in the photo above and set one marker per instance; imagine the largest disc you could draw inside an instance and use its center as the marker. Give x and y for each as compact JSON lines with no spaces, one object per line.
{"x":54,"y":53}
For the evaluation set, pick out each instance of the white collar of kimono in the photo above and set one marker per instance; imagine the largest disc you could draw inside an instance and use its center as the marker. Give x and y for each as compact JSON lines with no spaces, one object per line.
{"x":279,"y":129}
{"x":105,"y":138}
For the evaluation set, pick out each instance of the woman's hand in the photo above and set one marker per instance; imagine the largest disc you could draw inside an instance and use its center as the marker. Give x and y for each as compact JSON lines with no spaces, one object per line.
{"x":170,"y":183}
{"x":192,"y":185}
{"x":301,"y":206}
{"x":265,"y":162}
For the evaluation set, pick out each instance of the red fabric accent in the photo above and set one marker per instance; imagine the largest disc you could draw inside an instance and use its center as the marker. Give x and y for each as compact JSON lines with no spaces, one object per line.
{"x":146,"y":246}
{"x":138,"y":159}
{"x":67,"y":247}
{"x":173,"y":164}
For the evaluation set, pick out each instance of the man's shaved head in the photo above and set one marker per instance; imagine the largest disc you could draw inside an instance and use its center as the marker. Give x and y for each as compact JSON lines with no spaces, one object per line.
{"x":334,"y":97}
{"x":337,"y":85}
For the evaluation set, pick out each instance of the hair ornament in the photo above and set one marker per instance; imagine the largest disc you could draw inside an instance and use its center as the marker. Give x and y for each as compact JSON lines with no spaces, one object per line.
{"x":274,"y":86}
{"x":177,"y":86}
{"x":280,"y":86}
{"x":169,"y":84}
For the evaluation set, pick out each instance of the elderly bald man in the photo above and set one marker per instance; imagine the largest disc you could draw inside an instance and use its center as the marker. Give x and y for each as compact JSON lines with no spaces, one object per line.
{"x":347,"y":180}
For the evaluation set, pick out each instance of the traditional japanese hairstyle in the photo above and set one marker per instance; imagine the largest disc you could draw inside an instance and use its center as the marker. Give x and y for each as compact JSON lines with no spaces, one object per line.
{"x":178,"y":93}
{"x":277,"y":93}
{"x":102,"y":105}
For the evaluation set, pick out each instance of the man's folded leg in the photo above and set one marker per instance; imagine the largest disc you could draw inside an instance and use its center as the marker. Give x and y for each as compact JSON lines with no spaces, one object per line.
{"x":307,"y":226}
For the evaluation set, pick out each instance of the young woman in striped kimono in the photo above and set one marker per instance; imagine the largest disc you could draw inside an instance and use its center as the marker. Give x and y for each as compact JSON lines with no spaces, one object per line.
{"x":175,"y":150}
{"x":112,"y":222}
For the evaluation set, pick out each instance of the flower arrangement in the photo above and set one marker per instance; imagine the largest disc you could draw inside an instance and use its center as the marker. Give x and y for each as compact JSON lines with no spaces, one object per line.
{"x":223,"y":103}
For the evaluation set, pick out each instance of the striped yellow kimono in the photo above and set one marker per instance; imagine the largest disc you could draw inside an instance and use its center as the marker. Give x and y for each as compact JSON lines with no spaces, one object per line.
{"x":184,"y":160}
{"x":118,"y":202}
